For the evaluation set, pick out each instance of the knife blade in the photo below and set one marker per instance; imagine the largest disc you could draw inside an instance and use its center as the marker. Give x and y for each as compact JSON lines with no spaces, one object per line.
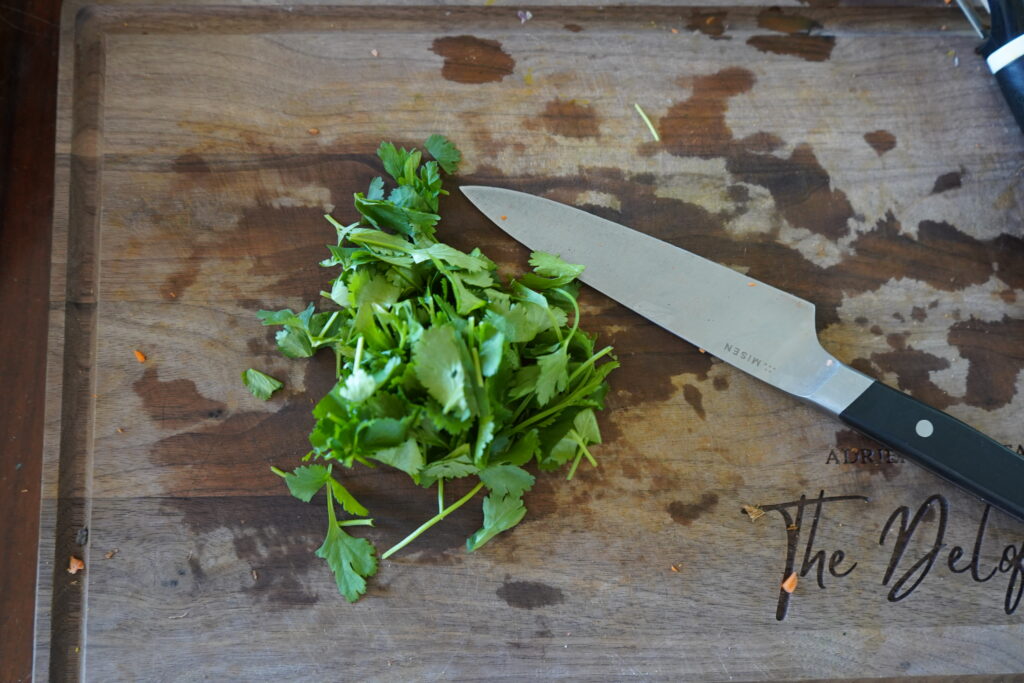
{"x":763,"y":331}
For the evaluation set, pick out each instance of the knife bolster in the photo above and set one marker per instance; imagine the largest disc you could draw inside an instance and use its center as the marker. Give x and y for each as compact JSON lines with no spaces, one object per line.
{"x":839,"y":389}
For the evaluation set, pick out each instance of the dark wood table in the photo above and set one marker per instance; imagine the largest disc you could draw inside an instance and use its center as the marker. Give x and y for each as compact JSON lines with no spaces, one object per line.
{"x":28,"y":75}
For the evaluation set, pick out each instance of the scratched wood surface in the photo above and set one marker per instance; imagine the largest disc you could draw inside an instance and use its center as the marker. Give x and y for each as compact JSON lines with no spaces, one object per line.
{"x":860,"y":158}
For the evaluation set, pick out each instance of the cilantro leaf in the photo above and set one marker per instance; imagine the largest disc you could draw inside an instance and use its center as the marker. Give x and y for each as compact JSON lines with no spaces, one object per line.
{"x":294,"y":342}
{"x":507,"y":480}
{"x":351,"y":559}
{"x":450,"y":469}
{"x":305,"y":481}
{"x":348,"y":502}
{"x":551,"y":265}
{"x":439,"y":367}
{"x":500,"y":514}
{"x":554,"y":374}
{"x":406,"y":457}
{"x":444,"y":151}
{"x":261,"y":385}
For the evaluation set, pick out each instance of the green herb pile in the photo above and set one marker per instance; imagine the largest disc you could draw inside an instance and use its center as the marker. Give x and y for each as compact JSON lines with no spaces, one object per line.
{"x":443,"y":372}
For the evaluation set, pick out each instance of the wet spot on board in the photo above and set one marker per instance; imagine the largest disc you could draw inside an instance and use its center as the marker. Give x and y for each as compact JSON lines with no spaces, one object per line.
{"x":881,"y":141}
{"x":948,"y":181}
{"x":573,"y":28}
{"x":468,"y":59}
{"x":875,"y":330}
{"x":176,"y":283}
{"x":801,"y":187}
{"x":697,"y":126}
{"x":918,"y":313}
{"x":775,"y":19}
{"x":190,"y":163}
{"x":799,"y":39}
{"x":530,"y":594}
{"x":176,"y":403}
{"x":569,"y":118}
{"x":710,"y":23}
{"x":687,"y":513}
{"x":913,"y":369}
{"x":994,"y":351}
{"x":720,"y":383}
{"x":273,"y":535}
{"x":693,"y":396}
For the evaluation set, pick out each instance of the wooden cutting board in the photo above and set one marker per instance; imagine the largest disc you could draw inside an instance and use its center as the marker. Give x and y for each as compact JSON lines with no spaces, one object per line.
{"x":859,"y":158}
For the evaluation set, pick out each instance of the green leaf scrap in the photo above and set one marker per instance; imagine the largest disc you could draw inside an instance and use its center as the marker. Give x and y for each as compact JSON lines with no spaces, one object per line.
{"x":261,"y":385}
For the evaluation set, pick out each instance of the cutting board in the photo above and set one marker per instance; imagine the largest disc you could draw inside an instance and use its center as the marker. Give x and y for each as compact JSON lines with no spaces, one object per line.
{"x":859,"y":158}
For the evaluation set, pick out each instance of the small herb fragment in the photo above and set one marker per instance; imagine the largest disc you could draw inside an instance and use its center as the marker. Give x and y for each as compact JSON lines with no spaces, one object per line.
{"x":261,"y":385}
{"x":442,"y":371}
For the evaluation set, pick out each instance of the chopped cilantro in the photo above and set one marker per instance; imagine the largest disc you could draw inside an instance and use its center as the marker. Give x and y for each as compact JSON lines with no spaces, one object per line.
{"x":442,"y":372}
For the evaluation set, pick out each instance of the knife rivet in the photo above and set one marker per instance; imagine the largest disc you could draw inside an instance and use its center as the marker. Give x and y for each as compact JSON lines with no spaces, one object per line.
{"x":924,"y":428}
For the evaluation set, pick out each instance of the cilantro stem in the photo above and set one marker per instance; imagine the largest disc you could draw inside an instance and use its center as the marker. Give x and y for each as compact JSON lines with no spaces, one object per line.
{"x":575,"y":464}
{"x":568,"y":400}
{"x":440,"y":496}
{"x":575,"y":315}
{"x":433,"y":520}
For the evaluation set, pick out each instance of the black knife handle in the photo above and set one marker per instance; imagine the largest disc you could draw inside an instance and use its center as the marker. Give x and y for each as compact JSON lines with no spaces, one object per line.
{"x":943,"y":444}
{"x":1011,"y":81}
{"x":1003,"y":50}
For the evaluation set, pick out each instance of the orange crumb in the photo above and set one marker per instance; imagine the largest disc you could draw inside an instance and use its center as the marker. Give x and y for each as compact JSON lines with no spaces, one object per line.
{"x":504,"y":218}
{"x":710,"y":20}
{"x":110,"y":553}
{"x":313,"y":131}
{"x":675,"y":30}
{"x":75,"y":565}
{"x":140,"y":356}
{"x":673,"y":567}
{"x":789,"y":585}
{"x":120,"y":430}
{"x":792,"y":527}
{"x":172,"y":295}
{"x":751,"y":284}
{"x":702,"y":350}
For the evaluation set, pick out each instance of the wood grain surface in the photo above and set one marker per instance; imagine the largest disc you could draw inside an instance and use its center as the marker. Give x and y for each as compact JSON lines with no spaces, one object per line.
{"x":825,"y":151}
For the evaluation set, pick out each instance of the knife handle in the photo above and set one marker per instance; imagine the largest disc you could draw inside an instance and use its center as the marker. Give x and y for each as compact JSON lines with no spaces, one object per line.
{"x":1003,"y":51}
{"x":941,"y":443}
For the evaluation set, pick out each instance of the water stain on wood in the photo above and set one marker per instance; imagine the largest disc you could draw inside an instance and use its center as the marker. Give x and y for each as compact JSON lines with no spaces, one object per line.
{"x":948,"y":181}
{"x":881,"y":141}
{"x":801,"y":187}
{"x":775,"y":19}
{"x":693,"y":396}
{"x":696,"y":126}
{"x":573,"y":28}
{"x":720,"y":383}
{"x":913,"y":369}
{"x":530,"y":594}
{"x":468,"y":59}
{"x":799,"y":40}
{"x":809,"y":48}
{"x":274,"y":535}
{"x":710,"y":23}
{"x":176,"y":403}
{"x":996,"y":357}
{"x":568,"y":118}
{"x":687,"y":513}
{"x":918,"y":313}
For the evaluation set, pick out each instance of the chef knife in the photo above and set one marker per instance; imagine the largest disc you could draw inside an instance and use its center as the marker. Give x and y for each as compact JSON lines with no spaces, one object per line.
{"x":758,"y":329}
